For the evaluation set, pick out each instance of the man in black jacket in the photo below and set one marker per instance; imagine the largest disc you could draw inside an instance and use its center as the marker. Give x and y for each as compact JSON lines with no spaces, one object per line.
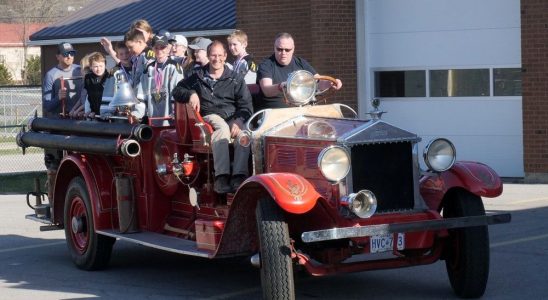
{"x":222,"y":98}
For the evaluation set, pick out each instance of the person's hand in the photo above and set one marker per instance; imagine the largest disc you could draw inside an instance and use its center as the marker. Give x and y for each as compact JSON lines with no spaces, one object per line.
{"x":107,"y":45}
{"x":338,"y":86}
{"x":236,"y":126}
{"x":326,"y":84}
{"x":195,"y":102}
{"x":90,"y":115}
{"x":282,"y":86}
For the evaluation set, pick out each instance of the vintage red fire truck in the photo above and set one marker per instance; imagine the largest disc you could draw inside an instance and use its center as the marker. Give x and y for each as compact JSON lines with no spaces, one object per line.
{"x":329,"y":192}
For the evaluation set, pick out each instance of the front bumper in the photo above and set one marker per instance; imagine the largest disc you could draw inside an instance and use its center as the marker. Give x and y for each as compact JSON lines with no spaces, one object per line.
{"x":384,"y":229}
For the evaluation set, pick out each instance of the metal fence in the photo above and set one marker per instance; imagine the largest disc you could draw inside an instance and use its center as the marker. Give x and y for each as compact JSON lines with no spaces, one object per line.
{"x":17,"y":105}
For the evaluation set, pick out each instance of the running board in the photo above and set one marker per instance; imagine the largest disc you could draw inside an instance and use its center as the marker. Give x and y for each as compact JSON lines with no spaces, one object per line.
{"x":160,"y":241}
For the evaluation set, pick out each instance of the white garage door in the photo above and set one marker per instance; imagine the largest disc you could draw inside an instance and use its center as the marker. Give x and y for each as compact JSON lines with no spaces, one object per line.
{"x":447,"y":68}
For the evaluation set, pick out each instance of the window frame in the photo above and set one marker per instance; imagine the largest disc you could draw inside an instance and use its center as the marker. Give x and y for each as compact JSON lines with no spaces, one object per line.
{"x":427,"y":70}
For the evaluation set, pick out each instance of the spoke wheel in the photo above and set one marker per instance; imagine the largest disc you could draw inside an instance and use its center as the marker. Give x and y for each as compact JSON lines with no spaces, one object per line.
{"x":89,"y":251}
{"x":276,"y":263}
{"x":467,"y":251}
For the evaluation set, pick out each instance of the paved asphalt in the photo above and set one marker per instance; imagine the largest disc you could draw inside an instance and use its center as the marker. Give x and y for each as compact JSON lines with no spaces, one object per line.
{"x":36,"y":265}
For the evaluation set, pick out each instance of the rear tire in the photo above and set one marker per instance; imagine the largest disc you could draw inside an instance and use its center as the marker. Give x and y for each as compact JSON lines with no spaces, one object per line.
{"x":89,"y":251}
{"x":467,"y":250}
{"x":276,"y":263}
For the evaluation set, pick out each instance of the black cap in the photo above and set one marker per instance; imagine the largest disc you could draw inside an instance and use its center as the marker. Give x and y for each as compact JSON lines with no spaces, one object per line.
{"x":167,"y":34}
{"x":160,"y":40}
{"x":65,"y":48}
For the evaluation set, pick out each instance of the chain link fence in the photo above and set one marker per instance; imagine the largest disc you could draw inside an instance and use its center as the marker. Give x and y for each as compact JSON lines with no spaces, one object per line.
{"x":17,"y":106}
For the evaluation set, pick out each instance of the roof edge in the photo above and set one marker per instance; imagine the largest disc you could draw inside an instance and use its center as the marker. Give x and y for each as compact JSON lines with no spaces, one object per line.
{"x":95,"y":39}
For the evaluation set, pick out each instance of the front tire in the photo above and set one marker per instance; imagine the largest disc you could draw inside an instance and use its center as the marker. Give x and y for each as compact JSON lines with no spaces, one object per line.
{"x":276,"y":263}
{"x":467,"y":251}
{"x":89,"y":251}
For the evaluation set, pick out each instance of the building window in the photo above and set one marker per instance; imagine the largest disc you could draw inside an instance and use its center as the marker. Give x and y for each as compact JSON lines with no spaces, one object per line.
{"x":507,"y":82}
{"x":459,"y":83}
{"x":400,"y":83}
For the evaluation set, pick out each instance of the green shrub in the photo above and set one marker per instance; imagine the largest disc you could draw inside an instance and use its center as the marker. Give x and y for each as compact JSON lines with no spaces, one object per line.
{"x":32,"y":73}
{"x":5,"y":75}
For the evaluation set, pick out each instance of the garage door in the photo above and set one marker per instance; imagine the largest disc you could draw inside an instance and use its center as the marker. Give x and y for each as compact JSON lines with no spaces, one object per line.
{"x":448,"y":69}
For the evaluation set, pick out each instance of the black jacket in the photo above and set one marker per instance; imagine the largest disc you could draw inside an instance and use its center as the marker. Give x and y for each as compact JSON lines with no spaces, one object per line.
{"x":94,"y":86}
{"x":229,"y":97}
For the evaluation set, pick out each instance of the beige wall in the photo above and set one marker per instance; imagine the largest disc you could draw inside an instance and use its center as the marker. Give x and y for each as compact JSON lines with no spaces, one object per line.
{"x":13,"y":59}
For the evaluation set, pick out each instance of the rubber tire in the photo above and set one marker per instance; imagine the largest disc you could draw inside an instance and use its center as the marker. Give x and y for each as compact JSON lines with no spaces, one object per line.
{"x":276,"y":264}
{"x":467,"y":251}
{"x":88,"y":250}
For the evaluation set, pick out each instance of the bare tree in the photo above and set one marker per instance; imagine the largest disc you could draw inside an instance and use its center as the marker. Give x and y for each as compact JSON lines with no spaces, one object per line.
{"x":26,"y":12}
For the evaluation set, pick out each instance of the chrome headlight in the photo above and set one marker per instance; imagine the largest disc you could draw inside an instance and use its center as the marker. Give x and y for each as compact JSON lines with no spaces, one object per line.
{"x":439,"y":155}
{"x":301,"y":87}
{"x":320,"y":129}
{"x":334,"y":163}
{"x":363,"y":203}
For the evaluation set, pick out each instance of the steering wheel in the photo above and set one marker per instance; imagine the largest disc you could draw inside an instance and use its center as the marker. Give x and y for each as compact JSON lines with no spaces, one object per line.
{"x":325,"y":93}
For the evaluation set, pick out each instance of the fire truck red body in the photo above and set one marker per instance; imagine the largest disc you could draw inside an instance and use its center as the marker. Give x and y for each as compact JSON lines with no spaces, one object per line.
{"x":153,"y":186}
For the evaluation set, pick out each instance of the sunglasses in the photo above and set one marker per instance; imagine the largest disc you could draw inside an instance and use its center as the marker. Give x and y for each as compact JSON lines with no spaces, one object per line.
{"x":70,"y":53}
{"x":283,"y":50}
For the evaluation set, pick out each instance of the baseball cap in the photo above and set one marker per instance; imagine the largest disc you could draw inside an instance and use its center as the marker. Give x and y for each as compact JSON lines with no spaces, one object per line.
{"x":160,"y":40}
{"x":199,"y":43}
{"x":65,"y":47}
{"x":180,"y":40}
{"x":165,"y":33}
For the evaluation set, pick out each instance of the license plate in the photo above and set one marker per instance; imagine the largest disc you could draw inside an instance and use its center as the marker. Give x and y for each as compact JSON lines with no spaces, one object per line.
{"x":384,"y":243}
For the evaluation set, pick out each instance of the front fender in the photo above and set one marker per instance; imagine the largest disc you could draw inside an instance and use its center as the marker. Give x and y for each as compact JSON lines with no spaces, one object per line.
{"x":292,"y":192}
{"x":475,"y":177}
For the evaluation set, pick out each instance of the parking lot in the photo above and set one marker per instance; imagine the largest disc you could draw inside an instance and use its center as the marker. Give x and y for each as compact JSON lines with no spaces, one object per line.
{"x":36,"y":265}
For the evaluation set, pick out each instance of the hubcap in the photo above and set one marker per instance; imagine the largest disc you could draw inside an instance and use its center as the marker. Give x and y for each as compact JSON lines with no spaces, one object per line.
{"x":78,"y":223}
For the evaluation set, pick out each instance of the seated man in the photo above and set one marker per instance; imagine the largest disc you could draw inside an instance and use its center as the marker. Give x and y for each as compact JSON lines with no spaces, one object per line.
{"x":222,"y":98}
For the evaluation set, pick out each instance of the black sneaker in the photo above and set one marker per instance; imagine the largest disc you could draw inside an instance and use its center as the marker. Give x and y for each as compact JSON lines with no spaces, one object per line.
{"x":221,"y":185}
{"x":236,"y":181}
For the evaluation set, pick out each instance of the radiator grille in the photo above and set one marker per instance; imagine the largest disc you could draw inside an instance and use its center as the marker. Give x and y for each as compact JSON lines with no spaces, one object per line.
{"x":286,"y":156}
{"x":311,"y":158}
{"x":387,"y":171}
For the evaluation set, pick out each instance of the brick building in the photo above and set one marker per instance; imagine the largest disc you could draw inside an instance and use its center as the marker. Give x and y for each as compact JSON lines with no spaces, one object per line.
{"x":324,"y":33}
{"x":534,"y":47}
{"x":13,"y":46}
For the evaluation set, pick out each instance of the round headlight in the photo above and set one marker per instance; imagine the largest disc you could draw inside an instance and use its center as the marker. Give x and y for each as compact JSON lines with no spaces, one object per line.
{"x":301,"y":87}
{"x":363,"y":203}
{"x":439,"y":155}
{"x":334,"y":163}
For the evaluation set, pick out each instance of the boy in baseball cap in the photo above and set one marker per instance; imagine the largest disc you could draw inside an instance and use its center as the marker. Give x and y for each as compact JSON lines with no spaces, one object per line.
{"x":158,"y":80}
{"x":199,"y":46}
{"x":179,"y":45}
